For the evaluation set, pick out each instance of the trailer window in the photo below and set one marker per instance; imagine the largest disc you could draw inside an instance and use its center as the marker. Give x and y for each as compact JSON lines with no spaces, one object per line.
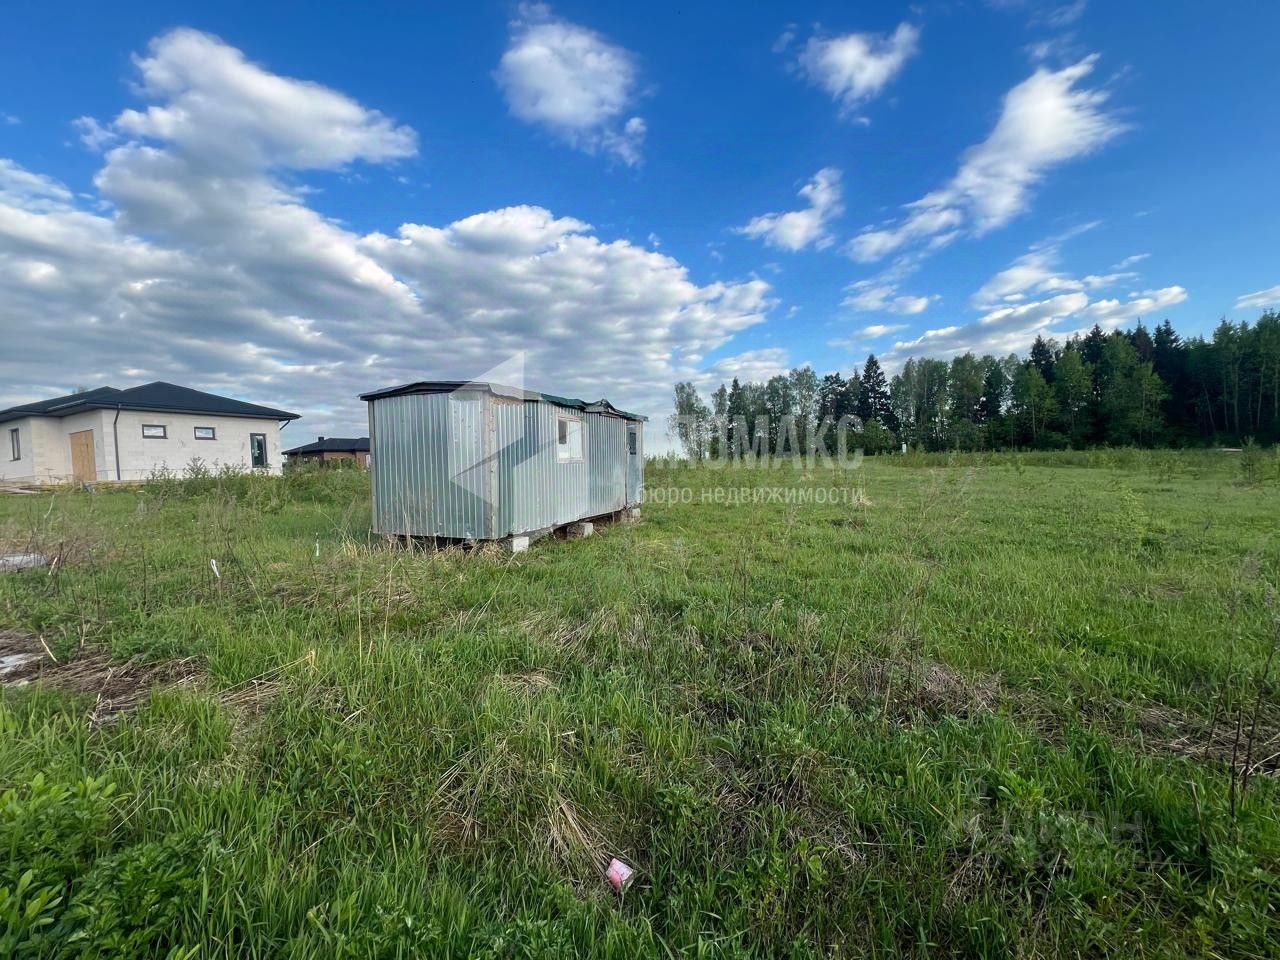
{"x":568,"y":439}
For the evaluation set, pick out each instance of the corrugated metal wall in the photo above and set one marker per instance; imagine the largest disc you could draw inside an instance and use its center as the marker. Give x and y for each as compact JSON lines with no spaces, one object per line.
{"x":436,"y":455}
{"x":606,"y":449}
{"x":428,"y":464}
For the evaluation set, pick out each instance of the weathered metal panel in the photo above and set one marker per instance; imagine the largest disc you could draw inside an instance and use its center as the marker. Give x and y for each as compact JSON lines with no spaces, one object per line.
{"x":520,"y":497}
{"x":536,"y":490}
{"x":429,"y":469}
{"x":476,"y":465}
{"x":606,"y":452}
{"x":635,"y":464}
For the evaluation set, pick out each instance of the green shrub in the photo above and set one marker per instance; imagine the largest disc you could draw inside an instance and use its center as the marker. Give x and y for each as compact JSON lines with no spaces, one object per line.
{"x":133,"y":904}
{"x":53,"y":830}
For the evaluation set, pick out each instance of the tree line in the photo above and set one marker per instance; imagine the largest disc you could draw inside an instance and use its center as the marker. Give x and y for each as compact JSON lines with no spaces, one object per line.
{"x":1127,"y":387}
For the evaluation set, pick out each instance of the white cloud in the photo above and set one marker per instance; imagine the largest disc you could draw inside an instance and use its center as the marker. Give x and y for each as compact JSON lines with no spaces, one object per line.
{"x":855,"y":67}
{"x":1045,"y":121}
{"x":1012,"y":328}
{"x":93,"y":134}
{"x":1048,"y":13}
{"x":1037,"y":272}
{"x":1111,"y":313}
{"x":850,"y":343}
{"x":801,"y":228}
{"x":881,"y":293}
{"x":1130,"y":261}
{"x":574,"y":82}
{"x":1034,"y":296}
{"x":216,"y":105}
{"x":1032,"y":271}
{"x":1066,"y":14}
{"x":1000,"y":331}
{"x":208,"y":269}
{"x":1261,"y":298}
{"x":1094,"y":281}
{"x":33,"y":191}
{"x":754,"y":365}
{"x":880,"y":330}
{"x":872,"y":296}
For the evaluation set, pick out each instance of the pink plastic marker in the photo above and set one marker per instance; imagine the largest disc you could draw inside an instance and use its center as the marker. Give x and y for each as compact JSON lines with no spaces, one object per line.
{"x":619,"y":875}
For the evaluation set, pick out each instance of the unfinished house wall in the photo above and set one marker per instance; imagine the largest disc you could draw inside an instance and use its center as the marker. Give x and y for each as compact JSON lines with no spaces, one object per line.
{"x":141,"y":456}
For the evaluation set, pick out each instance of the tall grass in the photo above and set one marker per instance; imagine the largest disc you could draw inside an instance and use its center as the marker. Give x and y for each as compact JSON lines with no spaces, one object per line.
{"x":975,"y":711}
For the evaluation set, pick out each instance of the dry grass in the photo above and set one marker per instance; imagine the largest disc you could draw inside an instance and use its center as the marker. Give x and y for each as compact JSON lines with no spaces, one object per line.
{"x":120,"y":687}
{"x":906,"y":688}
{"x":1173,"y":731}
{"x":528,"y":683}
{"x":116,"y":687}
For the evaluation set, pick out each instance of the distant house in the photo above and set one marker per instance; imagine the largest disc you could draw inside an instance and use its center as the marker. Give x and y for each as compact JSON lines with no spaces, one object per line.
{"x":121,"y":435}
{"x":329,"y":449}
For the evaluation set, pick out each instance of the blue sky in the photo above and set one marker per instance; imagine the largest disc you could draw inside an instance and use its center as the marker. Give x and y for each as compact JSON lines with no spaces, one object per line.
{"x":296,"y":202}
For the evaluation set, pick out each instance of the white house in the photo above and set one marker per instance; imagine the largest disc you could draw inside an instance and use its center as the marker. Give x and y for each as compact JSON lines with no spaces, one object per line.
{"x":120,"y":435}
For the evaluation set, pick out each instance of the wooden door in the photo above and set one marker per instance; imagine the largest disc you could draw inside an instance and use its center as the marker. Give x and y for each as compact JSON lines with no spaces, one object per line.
{"x":84,"y":463}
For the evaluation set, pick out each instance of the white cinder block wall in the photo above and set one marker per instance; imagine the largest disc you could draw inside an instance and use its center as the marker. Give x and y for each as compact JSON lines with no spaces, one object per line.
{"x":23,"y":468}
{"x":140,"y":456}
{"x":46,"y":445}
{"x":54,"y":455}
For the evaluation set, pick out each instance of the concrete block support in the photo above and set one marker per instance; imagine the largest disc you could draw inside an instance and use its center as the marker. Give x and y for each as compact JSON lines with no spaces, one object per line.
{"x":583,"y":528}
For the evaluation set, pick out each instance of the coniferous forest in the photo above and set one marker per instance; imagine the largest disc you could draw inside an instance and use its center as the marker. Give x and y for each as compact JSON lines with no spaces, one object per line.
{"x":1134,"y":387}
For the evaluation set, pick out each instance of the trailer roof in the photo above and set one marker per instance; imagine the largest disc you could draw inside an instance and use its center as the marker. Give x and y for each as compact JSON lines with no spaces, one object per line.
{"x":501,"y":390}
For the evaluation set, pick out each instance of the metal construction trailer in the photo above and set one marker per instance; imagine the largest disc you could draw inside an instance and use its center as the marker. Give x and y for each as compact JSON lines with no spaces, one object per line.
{"x":481,"y":461}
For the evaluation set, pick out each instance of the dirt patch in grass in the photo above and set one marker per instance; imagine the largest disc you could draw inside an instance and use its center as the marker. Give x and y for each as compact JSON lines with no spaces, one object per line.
{"x":907,"y":688}
{"x":1158,"y":728}
{"x":251,"y":698}
{"x":753,"y":640}
{"x":117,"y":687}
{"x":76,"y":550}
{"x":1222,"y":740}
{"x":528,"y":683}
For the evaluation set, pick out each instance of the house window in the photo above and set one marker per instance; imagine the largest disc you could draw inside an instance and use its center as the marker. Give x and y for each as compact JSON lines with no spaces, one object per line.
{"x":258,"y":449}
{"x":155,"y":431}
{"x":568,"y":439}
{"x":206,"y":433}
{"x":631,"y":441}
{"x":15,"y":443}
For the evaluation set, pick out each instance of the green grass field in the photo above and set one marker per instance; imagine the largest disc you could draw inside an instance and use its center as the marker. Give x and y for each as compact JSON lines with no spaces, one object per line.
{"x":992,"y":706}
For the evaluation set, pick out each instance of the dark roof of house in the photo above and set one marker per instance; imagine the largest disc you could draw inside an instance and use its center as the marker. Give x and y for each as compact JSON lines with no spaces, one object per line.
{"x":159,"y":397}
{"x":333,"y":445}
{"x":514,"y":393}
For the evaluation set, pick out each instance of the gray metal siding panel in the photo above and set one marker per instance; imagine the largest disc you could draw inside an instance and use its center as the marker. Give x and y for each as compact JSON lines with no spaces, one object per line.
{"x":429,"y":466}
{"x":606,"y":450}
{"x":538,"y":491}
{"x":635,"y":467}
